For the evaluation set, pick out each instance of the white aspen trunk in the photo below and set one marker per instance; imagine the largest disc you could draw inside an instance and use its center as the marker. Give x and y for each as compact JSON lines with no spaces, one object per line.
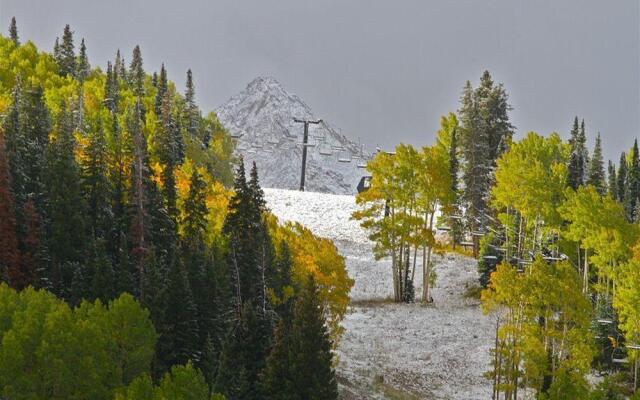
{"x":426,"y":269}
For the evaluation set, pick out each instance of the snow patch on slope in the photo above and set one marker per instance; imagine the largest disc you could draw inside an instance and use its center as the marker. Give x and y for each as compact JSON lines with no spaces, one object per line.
{"x":434,"y":352}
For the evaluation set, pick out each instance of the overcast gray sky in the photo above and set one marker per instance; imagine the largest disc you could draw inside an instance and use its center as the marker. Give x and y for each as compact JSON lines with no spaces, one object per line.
{"x":381,"y":70}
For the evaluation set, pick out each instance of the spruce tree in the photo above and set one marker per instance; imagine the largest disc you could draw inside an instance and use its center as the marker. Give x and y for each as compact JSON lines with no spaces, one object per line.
{"x":192,"y":112}
{"x":277,"y":380}
{"x":243,"y":357}
{"x":454,"y":166}
{"x":162,"y":87}
{"x":180,"y":342}
{"x":612,"y":186}
{"x":119,"y":68}
{"x":576,"y":161}
{"x":13,"y":31}
{"x":82,"y":64}
{"x":310,"y":355}
{"x":66,"y":208}
{"x":102,"y":283}
{"x":96,"y":185}
{"x":596,"y":175}
{"x":633,"y":183}
{"x":243,"y":231}
{"x":66,"y":54}
{"x":621,"y":181}
{"x":10,"y":267}
{"x":34,"y":254}
{"x":136,"y":73}
{"x":282,"y":282}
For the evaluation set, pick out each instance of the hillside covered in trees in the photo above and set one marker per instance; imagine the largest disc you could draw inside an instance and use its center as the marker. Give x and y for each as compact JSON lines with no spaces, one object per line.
{"x":137,"y":258}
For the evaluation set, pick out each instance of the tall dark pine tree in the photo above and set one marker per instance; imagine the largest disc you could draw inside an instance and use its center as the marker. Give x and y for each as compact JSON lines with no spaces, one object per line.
{"x":243,"y":357}
{"x":96,"y":185}
{"x":454,"y":166}
{"x":142,"y":252}
{"x":633,"y":183}
{"x":66,"y":54}
{"x":310,"y":359}
{"x":34,"y":254}
{"x":136,"y":73}
{"x":198,"y":261}
{"x":282,"y":283}
{"x":119,"y":66}
{"x":577,"y":160}
{"x":484,"y":136}
{"x":612,"y":186}
{"x":162,"y":87}
{"x":10,"y":266}
{"x":13,"y":31}
{"x":192,"y":113}
{"x":180,"y":342}
{"x":82,"y":64}
{"x":475,"y":150}
{"x":596,"y":176}
{"x":243,"y":228}
{"x":66,"y":210}
{"x":621,"y":181}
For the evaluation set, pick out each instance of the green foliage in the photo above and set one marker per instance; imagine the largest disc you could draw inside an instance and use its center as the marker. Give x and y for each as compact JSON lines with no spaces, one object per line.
{"x":50,"y":351}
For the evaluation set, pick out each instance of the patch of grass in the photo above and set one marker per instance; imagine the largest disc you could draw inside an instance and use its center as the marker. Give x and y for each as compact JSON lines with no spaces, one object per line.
{"x":448,"y":248}
{"x":372,"y":302}
{"x":473,"y":292}
{"x":391,"y":392}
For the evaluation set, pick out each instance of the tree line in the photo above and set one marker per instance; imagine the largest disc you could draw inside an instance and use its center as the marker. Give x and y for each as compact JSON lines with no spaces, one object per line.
{"x":554,"y":229}
{"x":115,"y":188}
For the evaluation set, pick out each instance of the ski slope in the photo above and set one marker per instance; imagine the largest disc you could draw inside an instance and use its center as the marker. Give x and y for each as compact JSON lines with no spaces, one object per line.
{"x":391,"y":350}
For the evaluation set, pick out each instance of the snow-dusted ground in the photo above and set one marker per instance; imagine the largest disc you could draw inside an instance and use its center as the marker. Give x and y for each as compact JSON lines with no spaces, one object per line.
{"x":423,"y":352}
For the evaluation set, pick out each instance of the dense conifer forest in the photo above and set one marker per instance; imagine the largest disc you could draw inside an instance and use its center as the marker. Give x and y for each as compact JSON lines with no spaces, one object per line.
{"x":137,"y":257}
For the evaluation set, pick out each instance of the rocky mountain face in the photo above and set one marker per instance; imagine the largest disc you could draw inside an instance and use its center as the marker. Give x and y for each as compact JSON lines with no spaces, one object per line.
{"x":261,"y":118}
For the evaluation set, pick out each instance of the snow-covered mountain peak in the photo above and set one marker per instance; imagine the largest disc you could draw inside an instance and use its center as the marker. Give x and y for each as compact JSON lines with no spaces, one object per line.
{"x":262,"y":118}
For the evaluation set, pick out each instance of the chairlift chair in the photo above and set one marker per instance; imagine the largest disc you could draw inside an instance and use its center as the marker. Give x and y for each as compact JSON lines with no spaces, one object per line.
{"x":344,"y":157}
{"x":443,"y":228}
{"x":618,"y":357}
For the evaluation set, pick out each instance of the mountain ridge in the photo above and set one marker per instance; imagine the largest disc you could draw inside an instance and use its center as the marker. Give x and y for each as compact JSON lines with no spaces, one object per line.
{"x":261,"y":118}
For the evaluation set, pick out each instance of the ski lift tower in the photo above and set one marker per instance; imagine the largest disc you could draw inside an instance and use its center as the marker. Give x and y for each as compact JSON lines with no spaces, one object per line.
{"x":305,"y":144}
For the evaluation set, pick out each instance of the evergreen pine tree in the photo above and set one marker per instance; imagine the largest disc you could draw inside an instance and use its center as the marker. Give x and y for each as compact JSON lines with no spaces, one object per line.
{"x":192,"y":111}
{"x":612,"y":186}
{"x":13,"y":31}
{"x":576,"y":161}
{"x":282,"y":282}
{"x":633,"y":183}
{"x":277,"y":380}
{"x":119,"y":68}
{"x":102,"y":285}
{"x":180,"y":342}
{"x":65,"y":206}
{"x":82,"y":64}
{"x":56,"y":50}
{"x":66,"y":54}
{"x":596,"y":175}
{"x":97,"y":188}
{"x":162,"y":87}
{"x":168,"y":155}
{"x":136,"y":73}
{"x":621,"y":181}
{"x":34,"y":254}
{"x":456,"y":226}
{"x":11,"y":270}
{"x":243,"y":357}
{"x":310,"y":355}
